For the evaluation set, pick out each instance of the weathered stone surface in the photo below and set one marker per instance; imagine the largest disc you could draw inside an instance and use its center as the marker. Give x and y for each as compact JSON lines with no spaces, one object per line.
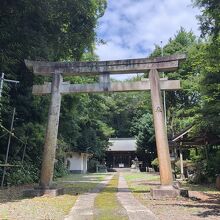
{"x":41,"y":192}
{"x":166,"y":177}
{"x":160,"y":193}
{"x":177,"y":184}
{"x":168,"y":192}
{"x":168,"y":63}
{"x":84,"y":206}
{"x":106,"y":87}
{"x":51,"y":133}
{"x":135,"y":210}
{"x":104,"y":68}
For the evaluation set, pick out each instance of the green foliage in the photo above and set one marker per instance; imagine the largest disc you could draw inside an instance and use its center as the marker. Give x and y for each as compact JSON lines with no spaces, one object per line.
{"x":155,"y":163}
{"x":210,"y":17}
{"x":182,"y":106}
{"x":60,"y":170}
{"x":92,"y":163}
{"x":123,"y":107}
{"x":24,"y":173}
{"x":196,"y":155}
{"x":205,"y":164}
{"x":82,"y":125}
{"x":49,"y":30}
{"x":65,"y":30}
{"x":210,"y":90}
{"x":143,"y":129}
{"x":213,"y":167}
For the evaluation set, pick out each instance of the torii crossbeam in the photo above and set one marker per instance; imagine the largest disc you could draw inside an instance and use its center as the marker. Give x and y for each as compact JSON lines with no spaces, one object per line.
{"x":104,"y":68}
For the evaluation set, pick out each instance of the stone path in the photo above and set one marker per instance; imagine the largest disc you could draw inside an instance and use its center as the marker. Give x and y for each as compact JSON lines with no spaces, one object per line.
{"x":83,"y":208}
{"x":135,"y":210}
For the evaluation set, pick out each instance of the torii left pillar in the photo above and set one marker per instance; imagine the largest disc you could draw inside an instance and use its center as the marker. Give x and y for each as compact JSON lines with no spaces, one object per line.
{"x":51,"y":132}
{"x":50,"y":144}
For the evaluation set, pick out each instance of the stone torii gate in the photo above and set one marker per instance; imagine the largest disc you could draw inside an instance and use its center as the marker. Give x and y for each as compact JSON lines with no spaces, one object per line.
{"x":57,"y":70}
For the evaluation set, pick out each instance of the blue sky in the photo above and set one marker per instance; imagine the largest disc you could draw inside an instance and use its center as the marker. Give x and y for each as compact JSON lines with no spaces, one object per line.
{"x":131,"y":28}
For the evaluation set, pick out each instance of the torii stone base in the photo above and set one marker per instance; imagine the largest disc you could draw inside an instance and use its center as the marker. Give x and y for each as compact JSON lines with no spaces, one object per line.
{"x":36,"y":192}
{"x":168,"y":192}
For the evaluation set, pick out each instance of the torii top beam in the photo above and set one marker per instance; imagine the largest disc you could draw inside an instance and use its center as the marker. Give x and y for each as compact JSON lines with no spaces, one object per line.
{"x":163,"y":64}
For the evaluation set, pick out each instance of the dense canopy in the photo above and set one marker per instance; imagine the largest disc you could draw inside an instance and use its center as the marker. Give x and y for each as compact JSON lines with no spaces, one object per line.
{"x":64,"y":30}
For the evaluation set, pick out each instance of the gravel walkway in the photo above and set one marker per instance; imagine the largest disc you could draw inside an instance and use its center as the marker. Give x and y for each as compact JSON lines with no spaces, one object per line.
{"x":84,"y":206}
{"x":135,"y":210}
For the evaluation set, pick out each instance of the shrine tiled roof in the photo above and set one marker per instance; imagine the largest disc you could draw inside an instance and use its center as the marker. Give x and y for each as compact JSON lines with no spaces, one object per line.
{"x":122,"y":144}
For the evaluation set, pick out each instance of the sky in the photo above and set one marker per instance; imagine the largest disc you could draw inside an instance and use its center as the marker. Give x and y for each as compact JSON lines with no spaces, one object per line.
{"x":131,"y":28}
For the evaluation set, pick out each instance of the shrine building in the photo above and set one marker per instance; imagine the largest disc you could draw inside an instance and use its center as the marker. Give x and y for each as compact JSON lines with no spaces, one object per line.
{"x":121,"y":152}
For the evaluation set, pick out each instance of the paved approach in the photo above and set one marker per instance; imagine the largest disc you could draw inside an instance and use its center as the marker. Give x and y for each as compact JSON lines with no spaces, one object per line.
{"x":135,"y":210}
{"x":84,"y":206}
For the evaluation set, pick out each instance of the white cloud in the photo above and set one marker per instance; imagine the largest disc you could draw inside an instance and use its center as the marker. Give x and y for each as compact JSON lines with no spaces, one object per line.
{"x":132,"y":28}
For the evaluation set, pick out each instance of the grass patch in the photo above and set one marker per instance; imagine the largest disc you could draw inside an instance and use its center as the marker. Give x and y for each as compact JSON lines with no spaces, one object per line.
{"x":141,"y":176}
{"x":77,"y":188}
{"x":62,"y":203}
{"x":13,"y":193}
{"x":139,"y":188}
{"x":14,"y":206}
{"x":86,"y":183}
{"x":38,"y":208}
{"x":106,"y":204}
{"x":84,"y":177}
{"x":209,"y":188}
{"x":137,"y":182}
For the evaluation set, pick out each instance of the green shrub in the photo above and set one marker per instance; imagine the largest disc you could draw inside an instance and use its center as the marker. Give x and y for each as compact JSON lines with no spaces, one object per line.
{"x":155,"y":164}
{"x":92,"y":165}
{"x":22,"y":174}
{"x":213,"y":165}
{"x":60,"y":169}
{"x":205,"y":169}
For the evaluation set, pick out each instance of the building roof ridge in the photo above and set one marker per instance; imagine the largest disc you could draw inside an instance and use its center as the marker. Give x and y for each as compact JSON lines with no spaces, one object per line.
{"x":130,"y":138}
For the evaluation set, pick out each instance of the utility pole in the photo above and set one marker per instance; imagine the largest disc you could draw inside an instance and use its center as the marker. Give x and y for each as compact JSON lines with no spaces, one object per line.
{"x":5,"y":80}
{"x":22,"y":160}
{"x":2,"y":80}
{"x":1,"y":84}
{"x":164,"y":93}
{"x":8,"y":147}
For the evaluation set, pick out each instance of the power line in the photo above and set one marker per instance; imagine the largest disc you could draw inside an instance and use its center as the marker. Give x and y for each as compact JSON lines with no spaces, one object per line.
{"x":8,"y":147}
{"x":12,"y":134}
{"x":164,"y":93}
{"x":6,"y":80}
{"x":3,"y":135}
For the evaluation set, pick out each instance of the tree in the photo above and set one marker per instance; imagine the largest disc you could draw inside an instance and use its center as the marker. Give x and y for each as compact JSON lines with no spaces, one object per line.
{"x":143,"y":129}
{"x":210,"y":91}
{"x":210,"y":80}
{"x":210,"y":17}
{"x":47,"y":30}
{"x":182,"y":106}
{"x":82,"y":125}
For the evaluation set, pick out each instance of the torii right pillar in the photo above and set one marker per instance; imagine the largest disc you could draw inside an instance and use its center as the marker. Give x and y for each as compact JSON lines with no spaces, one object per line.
{"x":167,"y":188}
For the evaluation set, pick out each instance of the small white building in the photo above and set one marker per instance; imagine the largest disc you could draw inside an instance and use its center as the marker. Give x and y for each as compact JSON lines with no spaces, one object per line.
{"x":77,"y":162}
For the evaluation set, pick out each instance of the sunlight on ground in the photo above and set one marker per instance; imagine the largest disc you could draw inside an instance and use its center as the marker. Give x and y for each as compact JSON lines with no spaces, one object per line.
{"x":14,"y":206}
{"x":203,"y":203}
{"x":137,"y":182}
{"x":201,"y":188}
{"x":46,"y":207}
{"x":107,"y":206}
